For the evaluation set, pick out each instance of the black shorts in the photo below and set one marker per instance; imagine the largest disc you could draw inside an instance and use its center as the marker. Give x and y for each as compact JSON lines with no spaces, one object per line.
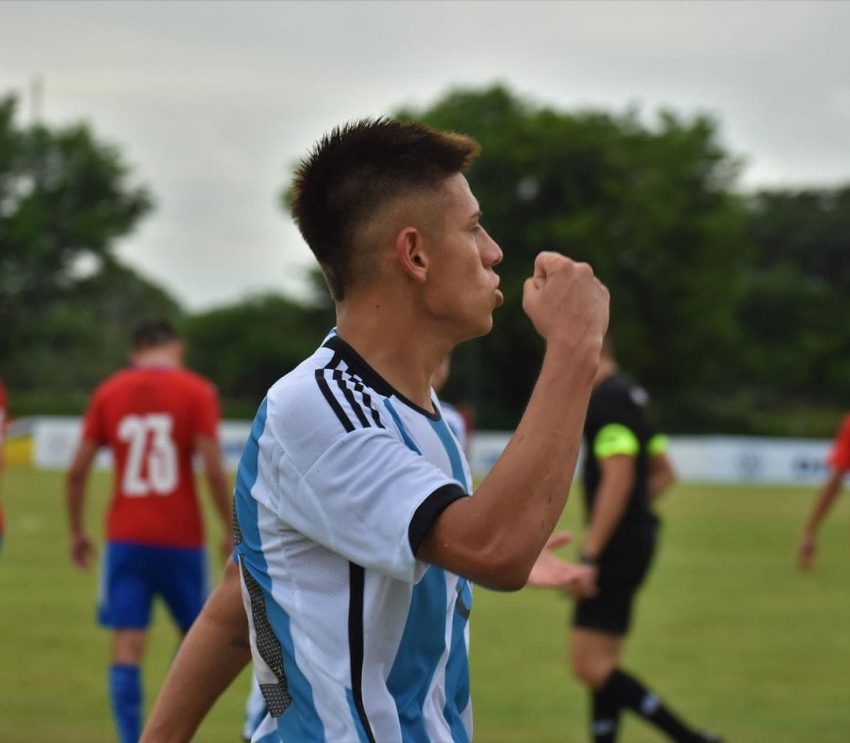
{"x":622,"y":568}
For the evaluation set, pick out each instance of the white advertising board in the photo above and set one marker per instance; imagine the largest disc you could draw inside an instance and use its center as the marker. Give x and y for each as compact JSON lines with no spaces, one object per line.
{"x":720,"y":459}
{"x":56,"y":439}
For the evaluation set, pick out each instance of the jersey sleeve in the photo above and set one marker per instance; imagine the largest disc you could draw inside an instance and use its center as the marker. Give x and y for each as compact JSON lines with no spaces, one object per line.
{"x":839,"y":455}
{"x":615,"y":439}
{"x":358,"y":490}
{"x":370,"y":499}
{"x":658,"y":444}
{"x":206,"y":413}
{"x":618,"y":423}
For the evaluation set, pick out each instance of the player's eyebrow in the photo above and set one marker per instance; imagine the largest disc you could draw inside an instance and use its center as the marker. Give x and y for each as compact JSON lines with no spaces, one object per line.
{"x":476,"y":216}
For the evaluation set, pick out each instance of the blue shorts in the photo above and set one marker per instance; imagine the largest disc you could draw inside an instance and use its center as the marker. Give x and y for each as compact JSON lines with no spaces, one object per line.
{"x":133,"y":574}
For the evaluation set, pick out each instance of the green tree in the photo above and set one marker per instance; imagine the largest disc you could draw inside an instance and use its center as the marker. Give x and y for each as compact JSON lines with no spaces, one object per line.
{"x":64,"y":196}
{"x":797,"y":294}
{"x":63,"y":347}
{"x":650,"y":206}
{"x":246,"y":347}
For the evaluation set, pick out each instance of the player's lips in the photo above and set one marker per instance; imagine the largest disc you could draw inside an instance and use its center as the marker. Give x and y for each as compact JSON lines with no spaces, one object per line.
{"x":500,"y":298}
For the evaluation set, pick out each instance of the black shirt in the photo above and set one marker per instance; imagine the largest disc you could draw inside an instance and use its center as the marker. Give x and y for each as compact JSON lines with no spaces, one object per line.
{"x":617,"y":411}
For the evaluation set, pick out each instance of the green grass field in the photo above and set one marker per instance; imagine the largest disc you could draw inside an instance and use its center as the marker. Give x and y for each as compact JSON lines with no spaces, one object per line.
{"x":726,"y":629}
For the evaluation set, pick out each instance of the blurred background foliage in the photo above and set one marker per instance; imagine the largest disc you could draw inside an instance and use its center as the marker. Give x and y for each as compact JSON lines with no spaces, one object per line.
{"x":727,"y":306}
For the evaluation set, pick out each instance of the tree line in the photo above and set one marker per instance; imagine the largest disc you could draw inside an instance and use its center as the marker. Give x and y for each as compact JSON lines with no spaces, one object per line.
{"x":727,"y":306}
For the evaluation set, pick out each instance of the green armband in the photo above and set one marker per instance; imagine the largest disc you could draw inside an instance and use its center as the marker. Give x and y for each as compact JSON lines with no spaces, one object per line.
{"x":615,"y":439}
{"x":658,"y":444}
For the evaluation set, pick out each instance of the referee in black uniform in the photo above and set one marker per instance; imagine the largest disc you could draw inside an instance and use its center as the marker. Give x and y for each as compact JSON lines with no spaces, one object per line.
{"x":626,"y":467}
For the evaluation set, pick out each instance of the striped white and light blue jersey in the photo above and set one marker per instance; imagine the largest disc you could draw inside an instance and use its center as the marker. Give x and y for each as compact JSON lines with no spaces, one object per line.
{"x":457,"y":425}
{"x":353,"y":638}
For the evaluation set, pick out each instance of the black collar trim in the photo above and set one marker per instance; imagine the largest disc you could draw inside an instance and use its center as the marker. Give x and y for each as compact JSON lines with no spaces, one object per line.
{"x":360,"y":367}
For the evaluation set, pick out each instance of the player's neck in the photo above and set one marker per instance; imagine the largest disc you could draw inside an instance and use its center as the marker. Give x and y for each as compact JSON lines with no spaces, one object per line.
{"x":155,"y":357}
{"x":394,"y":341}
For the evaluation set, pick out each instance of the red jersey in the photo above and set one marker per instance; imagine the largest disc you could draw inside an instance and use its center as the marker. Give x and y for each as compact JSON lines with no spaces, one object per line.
{"x":2,"y":433}
{"x":149,"y":417}
{"x":839,"y":456}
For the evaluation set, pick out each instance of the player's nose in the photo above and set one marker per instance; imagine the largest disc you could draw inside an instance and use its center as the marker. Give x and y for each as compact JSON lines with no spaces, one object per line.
{"x":491,"y":254}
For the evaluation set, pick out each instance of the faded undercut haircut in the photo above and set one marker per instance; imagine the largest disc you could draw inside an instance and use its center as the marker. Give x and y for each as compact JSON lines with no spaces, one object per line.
{"x":354,"y":173}
{"x":153,"y":334}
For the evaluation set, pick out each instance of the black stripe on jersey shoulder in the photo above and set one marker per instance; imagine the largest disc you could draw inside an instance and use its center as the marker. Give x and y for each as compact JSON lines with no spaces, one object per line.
{"x":356,"y":589}
{"x":342,"y":383}
{"x":361,"y":368}
{"x":367,"y":401}
{"x":329,"y":395}
{"x":428,"y":511}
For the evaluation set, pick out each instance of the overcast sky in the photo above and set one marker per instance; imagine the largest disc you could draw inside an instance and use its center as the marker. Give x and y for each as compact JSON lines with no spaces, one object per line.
{"x":213,"y":102}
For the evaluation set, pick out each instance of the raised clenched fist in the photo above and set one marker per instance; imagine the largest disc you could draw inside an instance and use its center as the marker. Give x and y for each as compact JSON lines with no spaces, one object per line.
{"x":565,"y":301}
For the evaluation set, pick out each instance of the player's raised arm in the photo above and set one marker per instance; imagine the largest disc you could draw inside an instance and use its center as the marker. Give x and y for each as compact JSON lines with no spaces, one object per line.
{"x":212,"y":654}
{"x":495,"y":537}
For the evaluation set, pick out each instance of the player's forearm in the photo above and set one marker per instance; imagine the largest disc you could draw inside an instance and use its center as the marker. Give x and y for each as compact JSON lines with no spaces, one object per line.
{"x":75,"y":488}
{"x":660,"y":479}
{"x":212,"y":655}
{"x":608,"y":509}
{"x":658,"y":483}
{"x":220,"y":492}
{"x":495,"y":536}
{"x":824,"y":502}
{"x":217,"y":479}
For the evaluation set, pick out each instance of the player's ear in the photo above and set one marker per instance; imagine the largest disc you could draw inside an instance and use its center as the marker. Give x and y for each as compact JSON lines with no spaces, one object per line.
{"x":411,"y":251}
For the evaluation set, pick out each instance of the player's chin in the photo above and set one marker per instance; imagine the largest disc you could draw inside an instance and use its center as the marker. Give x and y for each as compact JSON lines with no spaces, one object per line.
{"x":484,"y":326}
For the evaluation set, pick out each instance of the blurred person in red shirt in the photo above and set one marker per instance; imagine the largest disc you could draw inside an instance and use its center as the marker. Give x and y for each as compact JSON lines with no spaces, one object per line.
{"x":2,"y":461}
{"x":838,"y":461}
{"x":154,"y":416}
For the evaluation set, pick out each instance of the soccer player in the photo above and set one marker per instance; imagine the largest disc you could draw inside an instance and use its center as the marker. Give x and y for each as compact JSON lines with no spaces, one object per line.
{"x":2,"y":460}
{"x":256,"y":708}
{"x":625,"y":470}
{"x":838,"y":461}
{"x":357,"y":538}
{"x":154,"y":416}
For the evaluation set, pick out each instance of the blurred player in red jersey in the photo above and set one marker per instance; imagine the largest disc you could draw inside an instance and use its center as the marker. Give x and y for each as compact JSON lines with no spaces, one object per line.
{"x":839,"y":463}
{"x":154,"y":416}
{"x":2,"y":461}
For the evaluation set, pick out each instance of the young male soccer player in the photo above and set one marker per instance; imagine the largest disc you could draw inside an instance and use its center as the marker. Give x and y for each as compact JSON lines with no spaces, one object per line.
{"x":154,"y":416}
{"x":625,"y":469}
{"x":839,"y":463}
{"x":357,"y":538}
{"x":256,"y":708}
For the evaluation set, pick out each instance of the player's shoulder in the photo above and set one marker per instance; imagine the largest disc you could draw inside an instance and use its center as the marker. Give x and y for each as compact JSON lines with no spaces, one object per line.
{"x":322,"y":399}
{"x":194,"y":381}
{"x":844,"y":427}
{"x":114,"y":383}
{"x":620,"y":389}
